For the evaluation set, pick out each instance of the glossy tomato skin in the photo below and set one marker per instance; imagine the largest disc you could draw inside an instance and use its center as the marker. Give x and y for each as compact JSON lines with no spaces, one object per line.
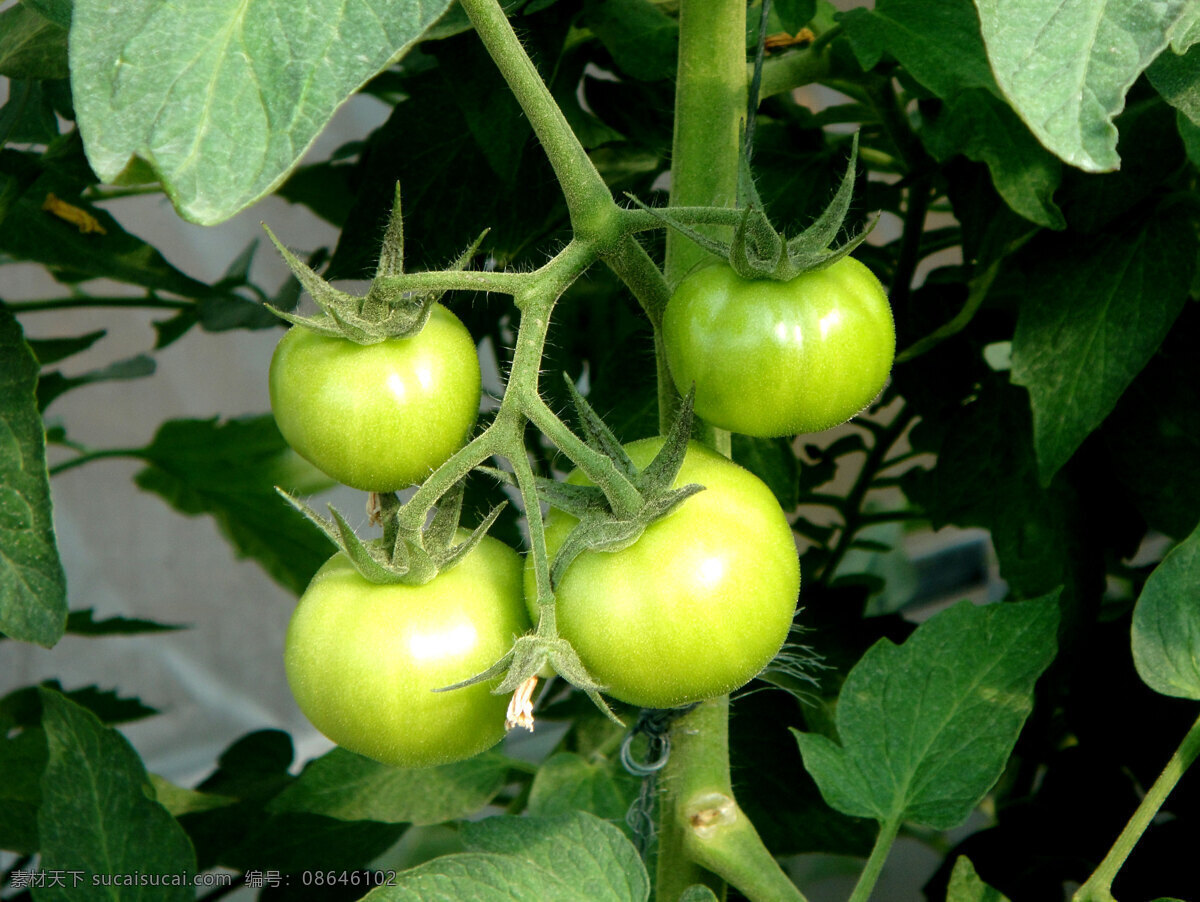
{"x":363,"y":659}
{"x":780,"y":358}
{"x":698,"y":605}
{"x":377,"y":417}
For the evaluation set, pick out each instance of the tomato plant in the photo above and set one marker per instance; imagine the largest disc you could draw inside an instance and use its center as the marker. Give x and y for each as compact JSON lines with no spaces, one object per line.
{"x":363,"y":660}
{"x":779,"y":358}
{"x":377,"y":417}
{"x":878,"y":210}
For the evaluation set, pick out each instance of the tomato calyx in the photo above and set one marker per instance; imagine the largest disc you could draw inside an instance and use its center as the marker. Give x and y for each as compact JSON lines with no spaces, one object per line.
{"x":605,"y":525}
{"x":524,"y":662}
{"x":402,"y":556}
{"x":385,"y":311}
{"x":757,"y":249}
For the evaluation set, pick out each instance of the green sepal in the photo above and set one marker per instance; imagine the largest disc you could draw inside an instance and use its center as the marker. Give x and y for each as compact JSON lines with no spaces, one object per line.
{"x":710,"y":244}
{"x":402,"y":556}
{"x":440,"y":531}
{"x":577,"y":500}
{"x":388,"y":310}
{"x":659,"y":475}
{"x":526,"y":659}
{"x":322,"y":325}
{"x":458,"y":552}
{"x":814,"y":240}
{"x":597,"y":434}
{"x":601,"y":532}
{"x":371,"y":559}
{"x":391,"y":254}
{"x":757,"y":250}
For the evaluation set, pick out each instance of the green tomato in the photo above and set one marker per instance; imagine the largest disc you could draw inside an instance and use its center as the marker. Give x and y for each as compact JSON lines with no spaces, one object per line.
{"x":363,"y":659}
{"x":698,"y":605}
{"x":377,"y":417}
{"x":780,"y":358}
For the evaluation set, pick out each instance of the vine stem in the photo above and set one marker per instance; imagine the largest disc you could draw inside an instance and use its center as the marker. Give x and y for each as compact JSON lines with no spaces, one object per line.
{"x":710,"y":103}
{"x":874,"y":866}
{"x":1098,"y":887}
{"x":88,"y":456}
{"x":78,"y":303}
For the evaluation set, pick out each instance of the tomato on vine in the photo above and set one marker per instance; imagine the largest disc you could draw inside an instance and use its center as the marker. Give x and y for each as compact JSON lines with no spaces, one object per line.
{"x":772,"y":358}
{"x":363,"y":660}
{"x":698,"y":605}
{"x":377,"y":417}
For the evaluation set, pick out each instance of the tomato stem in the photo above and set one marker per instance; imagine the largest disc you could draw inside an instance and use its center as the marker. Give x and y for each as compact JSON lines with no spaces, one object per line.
{"x":1098,"y":887}
{"x":710,"y":105}
{"x":879,"y":853}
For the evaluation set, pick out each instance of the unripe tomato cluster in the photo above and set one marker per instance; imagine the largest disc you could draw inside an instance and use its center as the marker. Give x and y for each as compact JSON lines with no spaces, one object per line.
{"x":693,"y":609}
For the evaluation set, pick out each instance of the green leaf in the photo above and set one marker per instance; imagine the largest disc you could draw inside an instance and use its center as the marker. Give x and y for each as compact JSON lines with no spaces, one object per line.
{"x":1153,"y":435}
{"x":264,"y":84}
{"x":31,"y":46}
{"x":773,"y":788}
{"x":937,"y":41}
{"x":23,"y":707}
{"x":230,"y":470}
{"x":548,"y":859}
{"x":52,"y":350}
{"x":1094,"y":310}
{"x":1031,"y":526}
{"x":449,"y":181}
{"x":640,"y":36}
{"x":794,"y":14}
{"x":80,"y":241}
{"x":33,"y":590}
{"x":965,"y":885}
{"x":97,"y":813}
{"x":926,"y":727}
{"x":1177,"y":79}
{"x":1166,"y":623}
{"x":57,"y":11}
{"x":698,"y":893}
{"x":1065,"y":67}
{"x":1186,"y":30}
{"x":1190,"y":133}
{"x":985,"y":129}
{"x":179,"y":801}
{"x":349,"y":787}
{"x":28,"y":118}
{"x":22,"y":761}
{"x":568,"y":782}
{"x":84,"y":623}
{"x":772,"y":461}
{"x":51,"y":385}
